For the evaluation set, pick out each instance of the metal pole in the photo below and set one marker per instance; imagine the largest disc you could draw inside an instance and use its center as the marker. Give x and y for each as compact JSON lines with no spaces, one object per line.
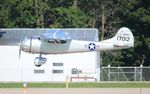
{"x":141,"y":76}
{"x":135,"y":71}
{"x":108,"y":72}
{"x":102,"y":74}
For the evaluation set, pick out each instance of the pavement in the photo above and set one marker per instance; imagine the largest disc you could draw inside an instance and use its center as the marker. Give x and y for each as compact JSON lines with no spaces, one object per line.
{"x":75,"y":91}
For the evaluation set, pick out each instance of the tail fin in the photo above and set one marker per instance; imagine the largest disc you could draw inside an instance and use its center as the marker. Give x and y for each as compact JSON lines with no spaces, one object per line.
{"x":123,"y":39}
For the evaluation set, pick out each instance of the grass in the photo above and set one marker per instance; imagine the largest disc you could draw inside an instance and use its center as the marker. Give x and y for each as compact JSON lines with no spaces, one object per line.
{"x":10,"y":85}
{"x":79,"y":85}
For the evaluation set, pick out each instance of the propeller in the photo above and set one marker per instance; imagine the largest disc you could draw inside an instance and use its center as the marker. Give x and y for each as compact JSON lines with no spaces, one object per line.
{"x":20,"y":51}
{"x":21,"y":45}
{"x":20,"y":48}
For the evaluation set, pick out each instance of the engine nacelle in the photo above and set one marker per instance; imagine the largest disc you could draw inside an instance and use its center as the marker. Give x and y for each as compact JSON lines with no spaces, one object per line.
{"x":39,"y":61}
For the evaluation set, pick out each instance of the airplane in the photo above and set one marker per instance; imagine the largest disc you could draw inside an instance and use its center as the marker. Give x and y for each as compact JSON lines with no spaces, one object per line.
{"x":59,"y":42}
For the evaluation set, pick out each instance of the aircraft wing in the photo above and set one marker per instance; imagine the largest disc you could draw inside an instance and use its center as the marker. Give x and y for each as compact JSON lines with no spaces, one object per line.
{"x":55,"y":36}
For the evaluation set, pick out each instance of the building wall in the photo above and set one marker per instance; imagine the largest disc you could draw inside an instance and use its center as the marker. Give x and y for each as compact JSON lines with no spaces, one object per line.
{"x":57,"y":68}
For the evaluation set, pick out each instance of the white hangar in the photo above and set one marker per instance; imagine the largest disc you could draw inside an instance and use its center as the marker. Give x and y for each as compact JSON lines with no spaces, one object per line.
{"x":83,"y":66}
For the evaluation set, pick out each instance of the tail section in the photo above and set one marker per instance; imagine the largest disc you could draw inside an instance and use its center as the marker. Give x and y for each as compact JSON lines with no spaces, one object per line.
{"x":123,"y":39}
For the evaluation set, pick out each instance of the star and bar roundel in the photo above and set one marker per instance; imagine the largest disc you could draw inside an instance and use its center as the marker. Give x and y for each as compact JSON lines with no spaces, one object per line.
{"x":92,"y":46}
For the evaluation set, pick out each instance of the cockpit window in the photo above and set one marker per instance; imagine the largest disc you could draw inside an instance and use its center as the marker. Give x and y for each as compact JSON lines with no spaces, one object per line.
{"x":56,"y":34}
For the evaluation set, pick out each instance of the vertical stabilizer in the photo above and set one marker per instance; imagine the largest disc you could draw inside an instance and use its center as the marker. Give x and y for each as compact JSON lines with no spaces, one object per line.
{"x":123,"y":39}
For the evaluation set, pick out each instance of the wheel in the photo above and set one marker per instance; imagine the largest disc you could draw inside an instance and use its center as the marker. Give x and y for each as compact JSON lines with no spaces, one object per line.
{"x":38,"y":65}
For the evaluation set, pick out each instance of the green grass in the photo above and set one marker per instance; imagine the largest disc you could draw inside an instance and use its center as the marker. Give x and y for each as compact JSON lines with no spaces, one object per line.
{"x":47,"y":85}
{"x":10,"y":85}
{"x":78,"y":85}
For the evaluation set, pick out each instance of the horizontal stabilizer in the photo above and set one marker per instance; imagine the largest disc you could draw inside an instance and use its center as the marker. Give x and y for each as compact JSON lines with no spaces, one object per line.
{"x":122,"y":45}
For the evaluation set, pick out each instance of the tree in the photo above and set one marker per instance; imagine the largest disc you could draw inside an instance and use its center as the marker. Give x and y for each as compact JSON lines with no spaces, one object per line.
{"x":23,"y":14}
{"x":41,"y":7}
{"x":68,"y":16}
{"x":72,"y":17}
{"x":136,"y":16}
{"x":5,"y":13}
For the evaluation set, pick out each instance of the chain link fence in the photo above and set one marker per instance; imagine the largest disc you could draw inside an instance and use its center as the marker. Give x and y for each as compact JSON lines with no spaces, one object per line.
{"x":125,"y":73}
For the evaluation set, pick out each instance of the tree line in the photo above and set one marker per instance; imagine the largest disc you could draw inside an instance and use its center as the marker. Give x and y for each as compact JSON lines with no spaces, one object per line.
{"x":105,"y":15}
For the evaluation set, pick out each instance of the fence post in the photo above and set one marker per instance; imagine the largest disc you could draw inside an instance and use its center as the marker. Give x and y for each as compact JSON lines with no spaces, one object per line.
{"x":135,"y":72}
{"x":109,"y":79}
{"x":101,"y":74}
{"x":141,"y":72}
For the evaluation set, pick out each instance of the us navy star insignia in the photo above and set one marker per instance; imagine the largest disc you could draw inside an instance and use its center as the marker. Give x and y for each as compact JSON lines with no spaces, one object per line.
{"x":92,"y":46}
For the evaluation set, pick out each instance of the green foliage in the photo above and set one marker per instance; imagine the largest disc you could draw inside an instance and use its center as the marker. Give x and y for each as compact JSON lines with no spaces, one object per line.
{"x":137,"y":17}
{"x":72,"y":17}
{"x":24,"y":14}
{"x":112,"y":58}
{"x":5,"y":16}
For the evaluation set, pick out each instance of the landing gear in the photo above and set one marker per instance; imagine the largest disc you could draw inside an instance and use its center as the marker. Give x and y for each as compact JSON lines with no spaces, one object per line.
{"x":38,"y":65}
{"x":40,"y":60}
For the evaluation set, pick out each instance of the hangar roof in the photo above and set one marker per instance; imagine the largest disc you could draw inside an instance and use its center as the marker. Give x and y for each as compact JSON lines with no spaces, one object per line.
{"x":15,"y":35}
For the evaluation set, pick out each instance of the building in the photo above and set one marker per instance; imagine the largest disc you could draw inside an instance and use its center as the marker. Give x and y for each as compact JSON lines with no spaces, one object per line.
{"x":59,"y":67}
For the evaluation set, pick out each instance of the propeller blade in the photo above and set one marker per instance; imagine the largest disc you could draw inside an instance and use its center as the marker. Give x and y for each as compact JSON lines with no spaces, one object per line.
{"x":20,"y":47}
{"x":19,"y":52}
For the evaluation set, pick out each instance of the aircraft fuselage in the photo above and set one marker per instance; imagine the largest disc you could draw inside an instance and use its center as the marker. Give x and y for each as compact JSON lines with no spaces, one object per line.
{"x":37,"y":46}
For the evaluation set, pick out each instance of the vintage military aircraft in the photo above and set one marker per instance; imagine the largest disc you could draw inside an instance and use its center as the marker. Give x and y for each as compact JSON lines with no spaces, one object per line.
{"x":59,"y":42}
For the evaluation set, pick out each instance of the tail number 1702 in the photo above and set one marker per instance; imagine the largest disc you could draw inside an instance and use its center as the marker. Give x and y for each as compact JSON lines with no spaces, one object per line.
{"x":120,"y":38}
